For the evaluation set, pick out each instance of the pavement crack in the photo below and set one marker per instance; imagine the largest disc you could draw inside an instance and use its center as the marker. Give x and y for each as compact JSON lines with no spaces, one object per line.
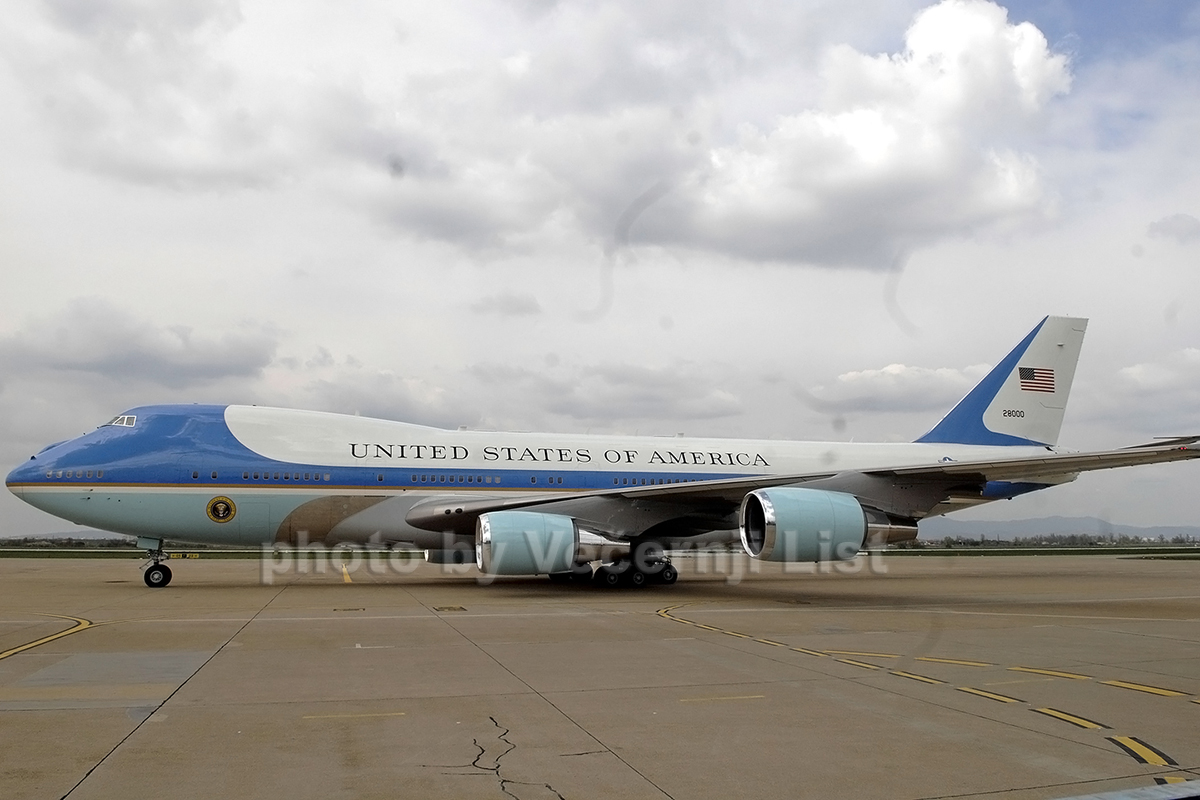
{"x":486,"y":764}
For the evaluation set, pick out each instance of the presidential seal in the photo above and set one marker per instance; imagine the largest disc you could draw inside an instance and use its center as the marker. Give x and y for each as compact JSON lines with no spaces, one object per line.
{"x":221,"y":509}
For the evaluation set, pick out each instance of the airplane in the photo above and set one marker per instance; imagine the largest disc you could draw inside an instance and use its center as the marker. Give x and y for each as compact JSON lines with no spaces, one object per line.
{"x":571,"y":506}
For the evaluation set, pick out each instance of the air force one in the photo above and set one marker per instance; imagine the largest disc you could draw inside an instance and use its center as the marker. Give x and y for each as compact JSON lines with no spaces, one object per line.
{"x":557,"y":504}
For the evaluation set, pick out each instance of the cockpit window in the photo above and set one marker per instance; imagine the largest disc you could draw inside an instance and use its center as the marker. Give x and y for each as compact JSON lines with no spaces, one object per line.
{"x":124,"y":421}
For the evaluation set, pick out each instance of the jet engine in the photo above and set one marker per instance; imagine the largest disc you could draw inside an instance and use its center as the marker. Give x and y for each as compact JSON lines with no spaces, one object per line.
{"x":525,"y":543}
{"x":797,"y":524}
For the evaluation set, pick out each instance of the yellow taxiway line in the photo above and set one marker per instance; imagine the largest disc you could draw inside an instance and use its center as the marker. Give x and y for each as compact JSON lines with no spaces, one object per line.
{"x":80,"y":625}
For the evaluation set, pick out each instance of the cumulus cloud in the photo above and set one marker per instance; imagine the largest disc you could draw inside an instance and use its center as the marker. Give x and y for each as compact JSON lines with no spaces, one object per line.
{"x":1183,"y":228}
{"x":95,"y":338}
{"x":496,"y":127}
{"x":903,"y":150}
{"x":1177,"y":372}
{"x":899,"y":388}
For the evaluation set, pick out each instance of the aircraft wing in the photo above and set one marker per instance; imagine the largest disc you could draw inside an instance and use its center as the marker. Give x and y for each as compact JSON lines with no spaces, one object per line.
{"x":928,"y":484}
{"x":1052,"y":464}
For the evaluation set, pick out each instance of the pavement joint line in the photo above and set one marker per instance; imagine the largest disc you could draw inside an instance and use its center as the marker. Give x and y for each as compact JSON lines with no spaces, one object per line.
{"x":176,"y":691}
{"x":854,"y":663}
{"x":914,"y":676}
{"x":1139,"y":687}
{"x":1000,"y":698}
{"x":81,"y":624}
{"x":1081,"y":722}
{"x":355,"y":716}
{"x":1142,"y":752}
{"x":1052,"y":673}
{"x":953,"y":661}
{"x":714,"y":699}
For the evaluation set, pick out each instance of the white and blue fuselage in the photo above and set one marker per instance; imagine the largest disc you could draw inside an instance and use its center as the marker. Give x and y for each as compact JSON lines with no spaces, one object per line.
{"x":311,"y":476}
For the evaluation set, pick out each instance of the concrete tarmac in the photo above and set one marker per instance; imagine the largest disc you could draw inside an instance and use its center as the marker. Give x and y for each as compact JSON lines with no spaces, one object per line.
{"x":1013,"y":677}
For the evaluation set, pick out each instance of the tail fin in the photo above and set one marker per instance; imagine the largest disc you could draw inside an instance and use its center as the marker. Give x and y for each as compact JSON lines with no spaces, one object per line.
{"x":1022,"y":400}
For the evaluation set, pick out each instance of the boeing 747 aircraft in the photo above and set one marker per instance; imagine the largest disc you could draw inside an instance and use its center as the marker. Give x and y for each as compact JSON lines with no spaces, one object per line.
{"x":557,"y":504}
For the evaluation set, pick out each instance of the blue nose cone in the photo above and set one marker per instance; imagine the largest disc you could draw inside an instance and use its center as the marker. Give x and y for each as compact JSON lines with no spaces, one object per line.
{"x":30,"y":471}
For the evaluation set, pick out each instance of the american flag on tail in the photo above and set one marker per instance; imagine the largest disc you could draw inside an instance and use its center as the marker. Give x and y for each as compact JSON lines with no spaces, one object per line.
{"x":1036,"y":379}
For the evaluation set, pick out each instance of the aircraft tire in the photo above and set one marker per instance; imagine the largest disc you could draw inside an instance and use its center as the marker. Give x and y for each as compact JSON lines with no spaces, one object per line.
{"x":607,"y":576}
{"x":668,"y":575}
{"x":157,"y":576}
{"x":635,"y":577}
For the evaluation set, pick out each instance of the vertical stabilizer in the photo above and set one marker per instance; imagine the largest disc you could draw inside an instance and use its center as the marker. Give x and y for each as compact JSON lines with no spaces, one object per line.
{"x":1022,"y":400}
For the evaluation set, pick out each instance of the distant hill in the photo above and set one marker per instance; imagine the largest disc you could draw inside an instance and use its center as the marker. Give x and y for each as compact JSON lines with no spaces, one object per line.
{"x":938,"y":528}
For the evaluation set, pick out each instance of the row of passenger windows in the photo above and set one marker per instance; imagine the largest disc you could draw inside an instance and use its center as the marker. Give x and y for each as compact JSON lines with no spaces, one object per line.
{"x":452,"y":478}
{"x":74,"y":473}
{"x":287,"y":476}
{"x":316,"y":476}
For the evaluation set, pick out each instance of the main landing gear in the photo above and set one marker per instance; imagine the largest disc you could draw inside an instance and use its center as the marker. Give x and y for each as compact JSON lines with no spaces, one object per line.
{"x":156,"y":574}
{"x":646,"y":565}
{"x":636,"y":575}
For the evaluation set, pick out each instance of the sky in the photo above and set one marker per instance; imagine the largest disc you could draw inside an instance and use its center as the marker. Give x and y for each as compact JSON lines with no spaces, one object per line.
{"x":807,"y":220}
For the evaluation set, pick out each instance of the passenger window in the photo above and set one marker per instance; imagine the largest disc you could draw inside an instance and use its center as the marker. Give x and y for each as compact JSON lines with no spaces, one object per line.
{"x":276,"y":476}
{"x":379,"y":477}
{"x":214,"y":475}
{"x":245,"y":476}
{"x":99,"y":473}
{"x":326,"y":476}
{"x":195,"y":475}
{"x":89,"y":473}
{"x":532,"y":479}
{"x":59,"y":475}
{"x":488,"y":479}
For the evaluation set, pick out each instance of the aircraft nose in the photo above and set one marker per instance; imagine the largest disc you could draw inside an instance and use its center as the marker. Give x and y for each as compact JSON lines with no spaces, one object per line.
{"x":24,"y":474}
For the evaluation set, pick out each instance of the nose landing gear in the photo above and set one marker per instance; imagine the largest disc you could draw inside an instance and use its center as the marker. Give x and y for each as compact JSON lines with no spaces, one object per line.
{"x":156,"y":574}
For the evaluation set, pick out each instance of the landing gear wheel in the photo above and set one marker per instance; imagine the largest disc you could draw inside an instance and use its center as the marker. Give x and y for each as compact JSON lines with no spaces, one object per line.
{"x":157,"y":575}
{"x":635,"y":577}
{"x":668,"y":575}
{"x":608,"y":576}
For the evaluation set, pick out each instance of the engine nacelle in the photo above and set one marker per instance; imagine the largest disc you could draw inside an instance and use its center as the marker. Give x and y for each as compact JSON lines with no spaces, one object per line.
{"x":795,"y":524}
{"x":525,"y":543}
